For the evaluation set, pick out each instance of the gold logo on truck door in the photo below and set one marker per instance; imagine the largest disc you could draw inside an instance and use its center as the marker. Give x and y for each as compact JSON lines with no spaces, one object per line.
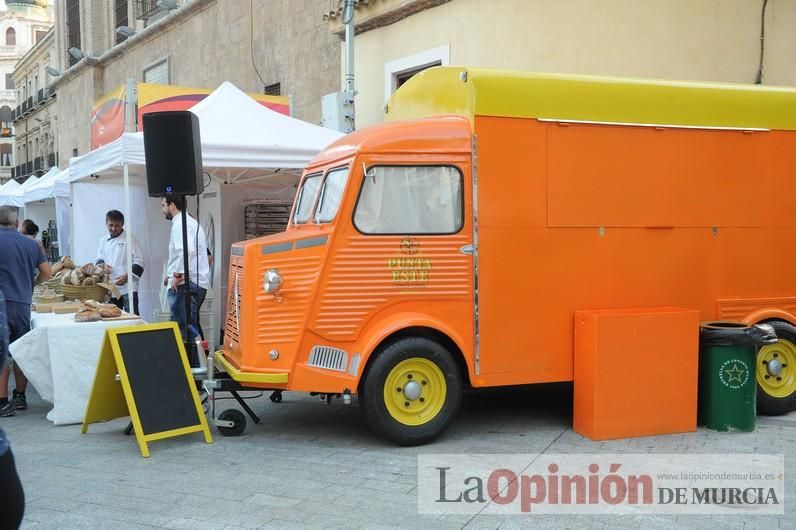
{"x":410,"y":245}
{"x":410,"y":270}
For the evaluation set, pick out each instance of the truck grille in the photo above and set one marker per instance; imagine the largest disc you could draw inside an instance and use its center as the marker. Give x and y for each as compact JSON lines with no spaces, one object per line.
{"x":328,"y":358}
{"x":233,"y":302}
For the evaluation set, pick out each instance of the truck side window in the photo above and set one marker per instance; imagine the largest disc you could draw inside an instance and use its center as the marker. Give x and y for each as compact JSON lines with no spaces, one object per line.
{"x":306,"y":199}
{"x":410,"y":200}
{"x":331,"y":195}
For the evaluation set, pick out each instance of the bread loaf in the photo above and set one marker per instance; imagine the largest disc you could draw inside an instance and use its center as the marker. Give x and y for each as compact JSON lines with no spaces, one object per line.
{"x":87,"y":315}
{"x":110,"y":312}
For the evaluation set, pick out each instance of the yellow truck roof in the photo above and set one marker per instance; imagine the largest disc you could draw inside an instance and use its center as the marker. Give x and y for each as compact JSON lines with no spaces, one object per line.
{"x":485,"y":92}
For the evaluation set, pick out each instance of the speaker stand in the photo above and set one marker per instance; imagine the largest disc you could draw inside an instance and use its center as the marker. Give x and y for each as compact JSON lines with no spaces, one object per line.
{"x":186,"y":279}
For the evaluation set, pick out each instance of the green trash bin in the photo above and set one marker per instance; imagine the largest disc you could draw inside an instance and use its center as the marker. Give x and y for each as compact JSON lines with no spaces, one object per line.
{"x":727,"y":382}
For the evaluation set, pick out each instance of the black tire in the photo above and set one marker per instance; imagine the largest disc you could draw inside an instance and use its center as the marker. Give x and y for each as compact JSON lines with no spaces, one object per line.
{"x":238,"y":422}
{"x":766,"y":403}
{"x":372,"y":399}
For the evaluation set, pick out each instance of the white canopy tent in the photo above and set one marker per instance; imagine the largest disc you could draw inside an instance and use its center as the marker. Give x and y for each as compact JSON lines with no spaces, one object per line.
{"x":242,"y":143}
{"x":43,"y":188}
{"x":11,"y":195}
{"x":48,"y":200}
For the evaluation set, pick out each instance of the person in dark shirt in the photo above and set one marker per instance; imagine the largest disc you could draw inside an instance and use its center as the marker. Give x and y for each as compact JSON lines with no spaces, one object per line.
{"x":12,"y":496}
{"x":20,"y":259}
{"x":31,"y":229}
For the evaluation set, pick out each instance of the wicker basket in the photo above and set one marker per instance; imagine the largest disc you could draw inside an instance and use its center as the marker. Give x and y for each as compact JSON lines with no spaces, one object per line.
{"x":87,"y":292}
{"x":40,"y":299}
{"x":53,"y":284}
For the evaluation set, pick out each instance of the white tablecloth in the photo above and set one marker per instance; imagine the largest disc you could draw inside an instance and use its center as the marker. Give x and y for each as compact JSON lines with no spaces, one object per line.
{"x":59,"y":357}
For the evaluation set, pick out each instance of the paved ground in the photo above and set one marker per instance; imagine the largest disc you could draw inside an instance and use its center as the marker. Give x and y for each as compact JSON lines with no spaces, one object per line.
{"x":313,"y":465}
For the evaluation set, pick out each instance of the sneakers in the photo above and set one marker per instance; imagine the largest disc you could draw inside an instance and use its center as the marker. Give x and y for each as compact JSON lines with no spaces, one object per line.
{"x":8,"y":408}
{"x":20,"y":401}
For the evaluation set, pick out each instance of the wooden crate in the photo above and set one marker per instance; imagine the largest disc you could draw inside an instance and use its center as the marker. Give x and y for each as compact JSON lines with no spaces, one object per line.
{"x":263,"y":217}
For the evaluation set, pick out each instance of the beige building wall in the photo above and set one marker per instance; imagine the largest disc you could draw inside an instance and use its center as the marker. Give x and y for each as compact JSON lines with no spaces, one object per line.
{"x":33,"y":131}
{"x":291,"y":46}
{"x":710,"y":40}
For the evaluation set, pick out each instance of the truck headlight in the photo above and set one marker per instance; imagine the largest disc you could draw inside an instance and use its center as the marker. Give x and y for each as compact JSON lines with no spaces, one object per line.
{"x":272,"y":281}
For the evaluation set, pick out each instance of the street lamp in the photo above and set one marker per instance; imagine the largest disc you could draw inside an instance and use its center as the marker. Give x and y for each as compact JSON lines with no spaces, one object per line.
{"x":169,"y":5}
{"x":52,"y":71}
{"x":125,"y":31}
{"x":76,"y":52}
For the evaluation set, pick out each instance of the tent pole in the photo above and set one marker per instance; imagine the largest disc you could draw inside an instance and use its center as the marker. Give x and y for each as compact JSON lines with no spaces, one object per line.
{"x":129,"y":126}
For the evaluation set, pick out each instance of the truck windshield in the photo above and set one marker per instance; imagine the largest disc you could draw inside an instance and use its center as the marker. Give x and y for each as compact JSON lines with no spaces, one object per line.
{"x":306,"y":198}
{"x":410,"y":200}
{"x":331,"y":194}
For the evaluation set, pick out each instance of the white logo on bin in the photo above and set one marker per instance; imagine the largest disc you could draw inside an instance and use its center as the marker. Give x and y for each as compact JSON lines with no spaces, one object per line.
{"x":734,"y":373}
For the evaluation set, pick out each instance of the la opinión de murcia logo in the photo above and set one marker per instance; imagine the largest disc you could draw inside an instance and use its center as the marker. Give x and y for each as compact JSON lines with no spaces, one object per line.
{"x":523,"y":484}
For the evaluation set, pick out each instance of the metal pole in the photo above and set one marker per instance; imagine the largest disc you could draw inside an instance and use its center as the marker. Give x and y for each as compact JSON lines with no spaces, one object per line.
{"x":350,"y":91}
{"x":186,"y":278}
{"x":129,"y":126}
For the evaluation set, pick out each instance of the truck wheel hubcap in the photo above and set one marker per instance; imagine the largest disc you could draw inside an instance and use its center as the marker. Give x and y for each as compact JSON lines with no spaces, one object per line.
{"x":776,"y":368}
{"x":415,"y":391}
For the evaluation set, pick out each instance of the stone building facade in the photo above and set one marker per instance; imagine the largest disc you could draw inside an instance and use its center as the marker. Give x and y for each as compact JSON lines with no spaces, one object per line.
{"x":23,"y":25}
{"x":34,"y":123}
{"x":705,"y":40}
{"x":279,"y":44}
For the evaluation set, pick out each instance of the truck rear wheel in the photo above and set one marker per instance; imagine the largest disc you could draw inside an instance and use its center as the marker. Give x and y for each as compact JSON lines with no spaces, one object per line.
{"x":776,"y":372}
{"x":412,"y":391}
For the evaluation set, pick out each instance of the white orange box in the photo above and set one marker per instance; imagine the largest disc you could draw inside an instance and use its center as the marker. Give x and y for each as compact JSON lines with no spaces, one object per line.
{"x":636,"y":372}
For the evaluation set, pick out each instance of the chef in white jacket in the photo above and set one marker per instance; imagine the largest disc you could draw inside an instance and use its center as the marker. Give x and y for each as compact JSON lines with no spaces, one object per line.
{"x":112,"y":254}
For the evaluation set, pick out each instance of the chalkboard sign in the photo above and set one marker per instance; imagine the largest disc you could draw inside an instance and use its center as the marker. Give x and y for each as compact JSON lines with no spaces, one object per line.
{"x":154,"y":385}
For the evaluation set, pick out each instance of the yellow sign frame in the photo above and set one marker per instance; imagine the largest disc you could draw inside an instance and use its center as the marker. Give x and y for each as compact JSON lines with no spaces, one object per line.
{"x":112,"y":398}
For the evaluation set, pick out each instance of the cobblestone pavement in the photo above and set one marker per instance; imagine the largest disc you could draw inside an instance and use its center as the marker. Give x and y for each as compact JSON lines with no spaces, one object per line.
{"x":312,"y":465}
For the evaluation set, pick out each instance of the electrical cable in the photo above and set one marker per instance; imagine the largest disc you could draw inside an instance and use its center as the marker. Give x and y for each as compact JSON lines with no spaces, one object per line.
{"x":759,"y":76}
{"x":251,"y":41}
{"x":255,"y":396}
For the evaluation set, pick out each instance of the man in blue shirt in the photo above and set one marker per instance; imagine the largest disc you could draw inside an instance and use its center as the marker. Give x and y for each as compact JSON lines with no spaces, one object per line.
{"x":20,"y":259}
{"x":12,"y":498}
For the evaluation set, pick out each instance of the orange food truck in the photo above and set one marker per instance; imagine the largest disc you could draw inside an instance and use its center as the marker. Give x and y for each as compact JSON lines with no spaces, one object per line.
{"x":452,"y":244}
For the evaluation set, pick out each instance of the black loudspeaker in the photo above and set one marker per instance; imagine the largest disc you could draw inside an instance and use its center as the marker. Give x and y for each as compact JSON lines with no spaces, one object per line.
{"x":173,"y":152}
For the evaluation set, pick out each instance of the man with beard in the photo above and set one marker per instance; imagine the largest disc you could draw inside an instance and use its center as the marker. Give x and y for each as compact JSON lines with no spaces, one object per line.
{"x":112,"y":254}
{"x":198,"y":272}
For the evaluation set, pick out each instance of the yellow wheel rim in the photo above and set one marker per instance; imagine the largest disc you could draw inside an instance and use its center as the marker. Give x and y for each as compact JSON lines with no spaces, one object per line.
{"x":776,"y":368}
{"x":414,"y":391}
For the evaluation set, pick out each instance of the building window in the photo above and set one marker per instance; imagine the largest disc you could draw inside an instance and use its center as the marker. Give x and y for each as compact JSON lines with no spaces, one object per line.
{"x":5,"y":155}
{"x":5,"y":120}
{"x":273,"y":90}
{"x":121,"y":18}
{"x":150,"y":11}
{"x":158,"y":72}
{"x":398,"y":72}
{"x":11,"y":37}
{"x":9,"y":82}
{"x":72,"y":28}
{"x":39,"y":35}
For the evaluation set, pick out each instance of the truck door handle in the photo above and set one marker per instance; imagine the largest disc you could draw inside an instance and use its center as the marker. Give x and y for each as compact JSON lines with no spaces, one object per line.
{"x":467,"y":249}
